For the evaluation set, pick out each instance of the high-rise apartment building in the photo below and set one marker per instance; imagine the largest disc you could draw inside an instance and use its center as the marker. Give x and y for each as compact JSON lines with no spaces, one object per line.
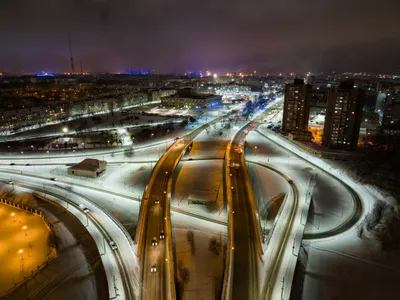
{"x":296,"y":106}
{"x":343,"y":116}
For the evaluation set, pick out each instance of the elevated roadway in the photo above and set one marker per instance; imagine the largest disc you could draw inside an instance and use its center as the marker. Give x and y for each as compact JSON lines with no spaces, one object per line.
{"x":154,"y":218}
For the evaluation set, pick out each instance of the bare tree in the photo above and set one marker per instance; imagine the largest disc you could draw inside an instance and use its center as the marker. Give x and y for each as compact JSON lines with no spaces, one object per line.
{"x":190,"y":240}
{"x":214,"y":246}
{"x":374,"y":217}
{"x":212,"y":206}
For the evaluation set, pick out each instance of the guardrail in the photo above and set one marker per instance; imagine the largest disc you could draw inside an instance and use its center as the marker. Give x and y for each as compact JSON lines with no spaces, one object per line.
{"x":228,"y":273}
{"x":254,"y":214}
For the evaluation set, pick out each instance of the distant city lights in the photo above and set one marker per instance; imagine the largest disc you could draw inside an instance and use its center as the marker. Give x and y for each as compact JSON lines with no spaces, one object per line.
{"x":44,"y":74}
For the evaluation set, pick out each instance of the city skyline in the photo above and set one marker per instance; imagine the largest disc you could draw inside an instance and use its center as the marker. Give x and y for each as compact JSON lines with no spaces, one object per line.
{"x":113,"y":36}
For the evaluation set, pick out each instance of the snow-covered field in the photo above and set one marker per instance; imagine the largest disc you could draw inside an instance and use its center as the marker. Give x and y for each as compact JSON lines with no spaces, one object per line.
{"x":204,"y":267}
{"x":347,"y":267}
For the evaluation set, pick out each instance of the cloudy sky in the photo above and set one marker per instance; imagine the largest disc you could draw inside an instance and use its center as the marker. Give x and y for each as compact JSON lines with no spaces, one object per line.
{"x":217,"y":35}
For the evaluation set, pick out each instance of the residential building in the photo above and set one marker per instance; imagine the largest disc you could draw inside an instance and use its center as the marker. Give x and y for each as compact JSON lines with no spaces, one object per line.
{"x":343,"y":116}
{"x":391,"y":112}
{"x":296,"y":106}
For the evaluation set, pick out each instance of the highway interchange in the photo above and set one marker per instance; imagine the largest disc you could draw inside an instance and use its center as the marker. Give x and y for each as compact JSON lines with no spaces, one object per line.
{"x":130,"y":267}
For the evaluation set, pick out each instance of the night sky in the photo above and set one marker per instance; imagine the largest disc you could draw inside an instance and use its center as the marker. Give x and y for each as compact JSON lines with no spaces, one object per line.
{"x":182,"y":35}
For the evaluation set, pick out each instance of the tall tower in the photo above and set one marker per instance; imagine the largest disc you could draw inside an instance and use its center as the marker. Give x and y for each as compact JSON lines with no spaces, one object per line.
{"x":343,"y":116}
{"x":70,"y":54}
{"x":296,"y":108}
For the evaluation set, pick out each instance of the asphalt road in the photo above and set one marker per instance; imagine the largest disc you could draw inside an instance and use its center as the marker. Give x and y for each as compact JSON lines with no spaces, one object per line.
{"x":245,"y":273}
{"x":155,"y":283}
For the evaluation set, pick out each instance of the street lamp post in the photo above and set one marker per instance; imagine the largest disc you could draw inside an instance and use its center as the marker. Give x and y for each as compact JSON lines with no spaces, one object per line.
{"x":21,"y":252}
{"x":13,"y":215}
{"x":24,"y":228}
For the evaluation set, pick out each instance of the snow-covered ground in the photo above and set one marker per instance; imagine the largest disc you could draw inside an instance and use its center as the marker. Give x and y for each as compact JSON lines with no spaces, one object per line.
{"x":343,"y":266}
{"x":332,"y":203}
{"x":205,"y":268}
{"x":199,"y":177}
{"x":347,"y":267}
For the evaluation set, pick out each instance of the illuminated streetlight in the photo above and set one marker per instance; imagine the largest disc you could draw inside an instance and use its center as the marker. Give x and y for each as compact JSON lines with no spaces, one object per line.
{"x":65,"y":129}
{"x":13,"y":215}
{"x":24,"y":228}
{"x":21,"y":252}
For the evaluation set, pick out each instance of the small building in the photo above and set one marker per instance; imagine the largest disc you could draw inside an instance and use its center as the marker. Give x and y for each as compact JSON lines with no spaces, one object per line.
{"x":191,"y":100}
{"x":300,"y":135}
{"x":89,"y":167}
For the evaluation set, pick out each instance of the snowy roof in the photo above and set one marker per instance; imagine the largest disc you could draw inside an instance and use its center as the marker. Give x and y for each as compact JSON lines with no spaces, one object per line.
{"x":88,"y":164}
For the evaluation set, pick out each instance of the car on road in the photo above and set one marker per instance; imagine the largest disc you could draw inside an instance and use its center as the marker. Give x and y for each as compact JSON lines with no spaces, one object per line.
{"x":27,"y":164}
{"x":153,"y":268}
{"x":190,"y":159}
{"x":86,"y":210}
{"x":12,"y":164}
{"x":162,"y":235}
{"x":10,"y":182}
{"x":53,"y":179}
{"x":290,"y":181}
{"x":113,"y":245}
{"x":157,"y":201}
{"x":154,"y":242}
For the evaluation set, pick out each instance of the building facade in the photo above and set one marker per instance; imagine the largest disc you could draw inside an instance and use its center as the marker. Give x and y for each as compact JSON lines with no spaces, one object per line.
{"x":343,"y":117}
{"x":296,"y":106}
{"x":191,"y":101}
{"x":391,"y":113}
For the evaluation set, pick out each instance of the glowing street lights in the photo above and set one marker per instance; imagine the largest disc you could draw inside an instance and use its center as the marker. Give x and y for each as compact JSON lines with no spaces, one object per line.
{"x":13,"y":215}
{"x":24,"y":228}
{"x":21,"y":252}
{"x":65,"y":129}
